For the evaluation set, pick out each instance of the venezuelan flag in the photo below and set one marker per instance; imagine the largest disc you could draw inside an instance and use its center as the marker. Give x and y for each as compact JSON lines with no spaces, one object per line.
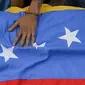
{"x":56,"y":58}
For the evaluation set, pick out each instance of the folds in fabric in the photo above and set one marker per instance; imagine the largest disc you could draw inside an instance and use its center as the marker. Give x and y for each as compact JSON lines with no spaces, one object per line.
{"x":58,"y":53}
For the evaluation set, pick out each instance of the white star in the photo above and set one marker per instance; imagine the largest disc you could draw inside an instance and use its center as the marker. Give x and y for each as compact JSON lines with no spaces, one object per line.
{"x":7,"y":53}
{"x":39,"y":46}
{"x":70,"y":37}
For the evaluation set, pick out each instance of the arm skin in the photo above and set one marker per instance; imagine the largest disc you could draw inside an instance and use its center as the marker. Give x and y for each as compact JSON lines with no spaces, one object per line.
{"x":27,"y":24}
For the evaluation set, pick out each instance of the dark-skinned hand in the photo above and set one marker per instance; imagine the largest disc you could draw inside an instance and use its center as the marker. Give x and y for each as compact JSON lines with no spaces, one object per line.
{"x":27,"y":30}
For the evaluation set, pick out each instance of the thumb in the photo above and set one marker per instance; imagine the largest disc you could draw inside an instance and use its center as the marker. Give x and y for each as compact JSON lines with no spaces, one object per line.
{"x":13,"y":26}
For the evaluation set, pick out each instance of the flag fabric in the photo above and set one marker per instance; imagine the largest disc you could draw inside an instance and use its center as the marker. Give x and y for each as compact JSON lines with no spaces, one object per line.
{"x":56,"y":58}
{"x":44,"y":8}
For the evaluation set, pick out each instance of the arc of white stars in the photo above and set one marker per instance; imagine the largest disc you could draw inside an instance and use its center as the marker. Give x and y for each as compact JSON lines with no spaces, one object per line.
{"x":7,"y":53}
{"x":39,"y":46}
{"x":70,"y":37}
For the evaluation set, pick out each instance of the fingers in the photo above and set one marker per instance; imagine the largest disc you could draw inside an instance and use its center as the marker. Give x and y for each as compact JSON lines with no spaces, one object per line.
{"x":28,"y":39}
{"x":33,"y":36}
{"x":17,"y":37}
{"x":23,"y":39}
{"x":13,"y":26}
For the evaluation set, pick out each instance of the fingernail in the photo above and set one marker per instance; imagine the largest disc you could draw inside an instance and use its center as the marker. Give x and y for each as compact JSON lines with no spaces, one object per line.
{"x":20,"y":46}
{"x":26,"y":45}
{"x":9,"y":29}
{"x":13,"y":43}
{"x":32,"y":43}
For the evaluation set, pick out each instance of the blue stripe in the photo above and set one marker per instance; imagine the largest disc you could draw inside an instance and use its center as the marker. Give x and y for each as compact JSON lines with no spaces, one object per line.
{"x":55,"y":60}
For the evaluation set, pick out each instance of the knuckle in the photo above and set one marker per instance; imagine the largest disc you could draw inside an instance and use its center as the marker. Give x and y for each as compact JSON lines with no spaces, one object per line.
{"x":27,"y":43}
{"x":28,"y":36}
{"x":33,"y":34}
{"x":22,"y":40}
{"x":21,"y":43}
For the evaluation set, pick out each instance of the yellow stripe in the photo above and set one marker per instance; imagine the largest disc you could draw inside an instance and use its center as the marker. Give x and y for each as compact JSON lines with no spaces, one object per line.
{"x":44,"y":8}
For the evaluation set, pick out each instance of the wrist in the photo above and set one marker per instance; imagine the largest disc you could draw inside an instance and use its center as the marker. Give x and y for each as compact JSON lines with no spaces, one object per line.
{"x":35,"y":6}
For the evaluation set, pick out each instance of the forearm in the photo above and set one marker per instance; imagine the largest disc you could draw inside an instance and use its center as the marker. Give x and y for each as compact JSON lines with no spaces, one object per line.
{"x":35,"y":6}
{"x":18,"y":3}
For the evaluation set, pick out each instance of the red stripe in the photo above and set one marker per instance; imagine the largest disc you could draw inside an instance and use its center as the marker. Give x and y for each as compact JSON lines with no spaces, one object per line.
{"x":44,"y":82}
